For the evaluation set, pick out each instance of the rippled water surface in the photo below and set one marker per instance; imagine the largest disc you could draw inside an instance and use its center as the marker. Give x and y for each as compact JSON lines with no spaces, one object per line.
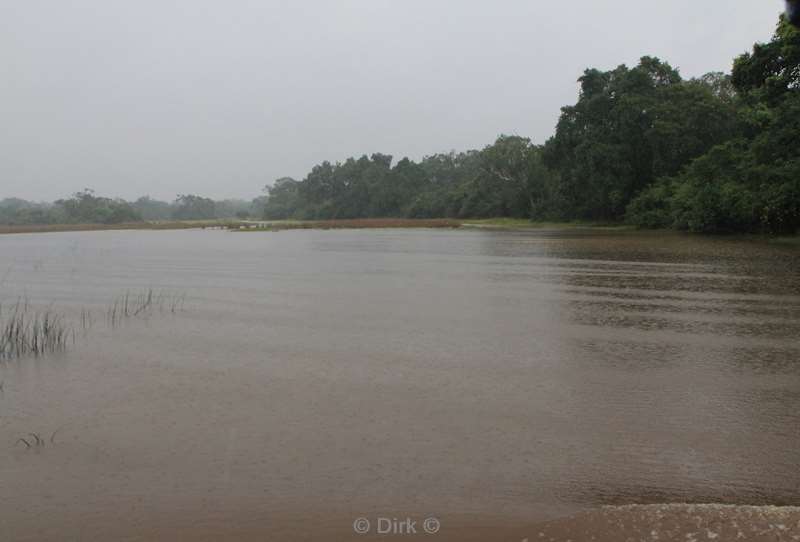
{"x":334,"y":374}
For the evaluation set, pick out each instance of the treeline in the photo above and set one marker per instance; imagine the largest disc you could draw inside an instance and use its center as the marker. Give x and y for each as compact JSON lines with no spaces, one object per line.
{"x":643,"y":145}
{"x":493,"y":182}
{"x":87,"y":208}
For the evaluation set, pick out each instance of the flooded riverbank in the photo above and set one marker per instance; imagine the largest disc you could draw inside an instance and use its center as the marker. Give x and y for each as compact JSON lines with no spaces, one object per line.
{"x":494,"y":378}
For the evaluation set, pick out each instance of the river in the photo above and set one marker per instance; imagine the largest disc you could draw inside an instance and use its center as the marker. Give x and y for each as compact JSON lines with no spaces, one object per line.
{"x":314,"y":377}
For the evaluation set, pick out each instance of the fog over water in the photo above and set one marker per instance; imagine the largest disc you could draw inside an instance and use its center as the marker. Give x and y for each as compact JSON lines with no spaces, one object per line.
{"x":219,"y":98}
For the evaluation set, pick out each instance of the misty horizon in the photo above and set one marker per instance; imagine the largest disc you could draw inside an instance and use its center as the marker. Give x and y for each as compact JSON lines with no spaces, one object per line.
{"x":166,"y":99}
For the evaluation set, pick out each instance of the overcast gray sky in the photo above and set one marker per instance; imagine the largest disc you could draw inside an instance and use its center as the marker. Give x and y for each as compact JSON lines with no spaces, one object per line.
{"x":220,"y":97}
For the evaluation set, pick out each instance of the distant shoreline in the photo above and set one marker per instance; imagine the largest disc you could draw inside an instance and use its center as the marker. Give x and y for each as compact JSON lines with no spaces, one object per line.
{"x":235,"y":225}
{"x":155,"y":225}
{"x":278,"y":225}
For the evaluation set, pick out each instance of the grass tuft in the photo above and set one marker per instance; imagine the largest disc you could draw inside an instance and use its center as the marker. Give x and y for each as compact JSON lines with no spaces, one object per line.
{"x":144,"y":303}
{"x":27,"y":331}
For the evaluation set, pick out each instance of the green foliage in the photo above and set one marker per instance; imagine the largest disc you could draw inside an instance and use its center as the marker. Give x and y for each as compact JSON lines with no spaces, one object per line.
{"x":233,"y":208}
{"x":87,"y":208}
{"x":750,"y":183}
{"x":84,"y":207}
{"x":510,"y":181}
{"x":195,"y":208}
{"x":153,"y":209}
{"x":17,"y":211}
{"x":772,"y":70}
{"x":629,"y":128}
{"x":192,"y":207}
{"x":504,"y":179}
{"x":282,"y":199}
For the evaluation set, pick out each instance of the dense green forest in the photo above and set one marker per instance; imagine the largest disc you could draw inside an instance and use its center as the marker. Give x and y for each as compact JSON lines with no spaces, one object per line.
{"x":718,"y":153}
{"x":629,"y":128}
{"x":712,"y":154}
{"x":87,"y":208}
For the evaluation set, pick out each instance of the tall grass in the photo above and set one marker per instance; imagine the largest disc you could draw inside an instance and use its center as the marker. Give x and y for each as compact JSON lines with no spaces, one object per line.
{"x":87,"y":320}
{"x":26,"y":331}
{"x":144,"y":303}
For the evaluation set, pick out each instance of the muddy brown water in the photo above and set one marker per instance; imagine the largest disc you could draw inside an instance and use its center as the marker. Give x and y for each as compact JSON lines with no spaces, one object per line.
{"x":489,"y":379}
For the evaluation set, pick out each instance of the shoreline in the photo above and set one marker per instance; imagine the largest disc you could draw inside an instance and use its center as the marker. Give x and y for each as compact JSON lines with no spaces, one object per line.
{"x":282,"y":225}
{"x":490,"y":224}
{"x":155,"y":225}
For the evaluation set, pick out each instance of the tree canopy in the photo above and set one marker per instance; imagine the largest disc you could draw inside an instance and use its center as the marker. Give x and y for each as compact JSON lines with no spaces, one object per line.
{"x":751,"y":180}
{"x":504,"y":179}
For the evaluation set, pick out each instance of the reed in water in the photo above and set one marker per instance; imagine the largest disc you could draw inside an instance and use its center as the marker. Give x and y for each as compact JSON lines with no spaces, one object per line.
{"x":129,"y":305}
{"x":27,"y":331}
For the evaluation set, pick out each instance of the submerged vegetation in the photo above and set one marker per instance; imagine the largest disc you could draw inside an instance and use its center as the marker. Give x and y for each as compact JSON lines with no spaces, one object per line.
{"x":28,"y":331}
{"x":145,"y":303}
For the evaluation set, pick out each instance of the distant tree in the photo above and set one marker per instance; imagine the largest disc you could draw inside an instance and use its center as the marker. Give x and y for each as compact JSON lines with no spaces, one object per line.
{"x":20,"y":211}
{"x":629,"y":128}
{"x":232,"y":208}
{"x":13,"y":204}
{"x":720,"y":84}
{"x":152,"y":209}
{"x":510,"y":181}
{"x":86,"y":207}
{"x":193,"y":207}
{"x":281,"y":200}
{"x":770,"y":72}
